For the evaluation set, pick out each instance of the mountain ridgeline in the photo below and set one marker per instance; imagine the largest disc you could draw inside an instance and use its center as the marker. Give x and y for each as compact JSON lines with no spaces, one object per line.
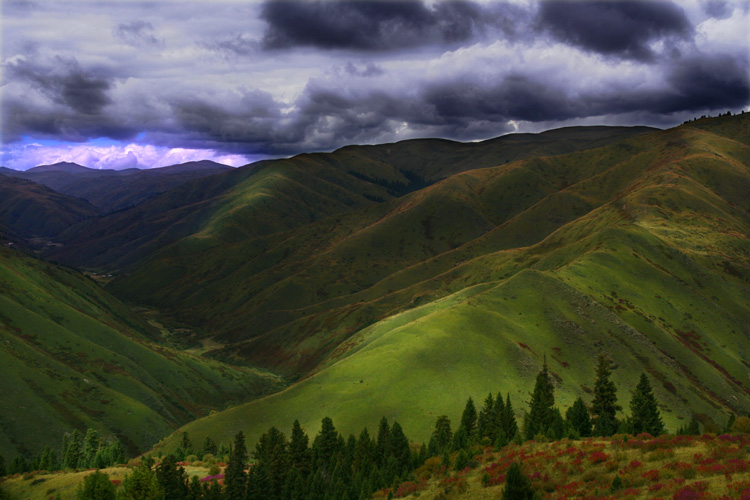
{"x":396,"y":280}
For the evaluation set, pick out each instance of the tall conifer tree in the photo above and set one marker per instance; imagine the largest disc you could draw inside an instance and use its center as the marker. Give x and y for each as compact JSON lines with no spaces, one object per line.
{"x":510,"y":426}
{"x":644,"y":410}
{"x":469,"y":418}
{"x":604,"y":407}
{"x":442,"y":436}
{"x":299,"y":451}
{"x":235,"y":478}
{"x":486,"y":421}
{"x":540,"y":415}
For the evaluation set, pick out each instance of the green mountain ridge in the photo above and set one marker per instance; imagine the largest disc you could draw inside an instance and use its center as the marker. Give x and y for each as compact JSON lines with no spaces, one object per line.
{"x":638,"y":250}
{"x":32,"y":210}
{"x":113,"y":190}
{"x":397,"y":280}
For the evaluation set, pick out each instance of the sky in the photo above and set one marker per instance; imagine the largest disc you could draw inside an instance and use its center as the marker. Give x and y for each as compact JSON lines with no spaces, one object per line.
{"x":118,"y":84}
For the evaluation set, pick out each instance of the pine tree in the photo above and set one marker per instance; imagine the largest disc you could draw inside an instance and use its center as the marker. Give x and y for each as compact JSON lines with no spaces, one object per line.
{"x":441,"y":436}
{"x":644,"y":410}
{"x":486,"y":421}
{"x":234,"y":474}
{"x":517,"y":485}
{"x":141,"y":484}
{"x":557,"y":428}
{"x":461,"y":439}
{"x":693,"y":428}
{"x":326,"y":445}
{"x":508,"y":419}
{"x":73,"y":453}
{"x":209,"y":446}
{"x":96,"y":486}
{"x":299,"y":451}
{"x":271,"y":454}
{"x":90,"y":447}
{"x":48,"y":460}
{"x":604,"y":406}
{"x":186,"y":444}
{"x":497,"y":417}
{"x":195,"y":489}
{"x":212,"y":491}
{"x":173,"y":481}
{"x":364,"y":452}
{"x":382,"y":442}
{"x":399,"y":446}
{"x":540,"y":414}
{"x":469,"y":419}
{"x":578,"y":418}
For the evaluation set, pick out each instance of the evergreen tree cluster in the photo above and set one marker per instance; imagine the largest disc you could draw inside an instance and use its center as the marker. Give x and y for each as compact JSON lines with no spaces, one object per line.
{"x":544,"y":420}
{"x":78,"y":451}
{"x":332,"y":467}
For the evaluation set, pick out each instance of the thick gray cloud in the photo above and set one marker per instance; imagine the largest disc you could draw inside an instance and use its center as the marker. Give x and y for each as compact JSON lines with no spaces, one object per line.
{"x":614,"y":28}
{"x":66,"y":83}
{"x":277,"y":78}
{"x":380,"y":24}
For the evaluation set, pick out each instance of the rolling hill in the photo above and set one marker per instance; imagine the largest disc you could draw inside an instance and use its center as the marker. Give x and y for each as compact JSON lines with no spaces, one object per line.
{"x":31,"y":210}
{"x":638,"y":249}
{"x":72,"y":356}
{"x":400,"y":279}
{"x":113,"y":190}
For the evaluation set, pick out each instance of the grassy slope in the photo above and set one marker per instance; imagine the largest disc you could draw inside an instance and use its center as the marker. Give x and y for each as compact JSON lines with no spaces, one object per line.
{"x":273,"y":196}
{"x":241,"y":250}
{"x":638,"y":250}
{"x":72,"y":356}
{"x":30,"y":209}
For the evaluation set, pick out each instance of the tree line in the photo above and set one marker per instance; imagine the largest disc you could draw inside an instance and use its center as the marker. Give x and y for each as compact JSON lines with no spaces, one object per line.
{"x":78,"y":451}
{"x":333,"y":467}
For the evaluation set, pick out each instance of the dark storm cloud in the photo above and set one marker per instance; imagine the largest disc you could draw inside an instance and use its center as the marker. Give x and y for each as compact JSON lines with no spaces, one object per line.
{"x":379,"y":25}
{"x":234,"y":80}
{"x":622,"y":29}
{"x":707,"y":82}
{"x":65,"y":83}
{"x":252,"y":123}
{"x":136,"y":33}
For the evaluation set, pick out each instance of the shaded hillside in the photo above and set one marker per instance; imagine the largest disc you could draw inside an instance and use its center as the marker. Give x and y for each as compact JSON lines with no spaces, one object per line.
{"x":32,"y":210}
{"x":72,"y":356}
{"x":273,"y":196}
{"x":112,"y":190}
{"x":639,"y":250}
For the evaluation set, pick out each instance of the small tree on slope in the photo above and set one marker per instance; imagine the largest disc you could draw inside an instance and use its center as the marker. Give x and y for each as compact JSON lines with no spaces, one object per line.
{"x":517,"y":486}
{"x":644,"y":410}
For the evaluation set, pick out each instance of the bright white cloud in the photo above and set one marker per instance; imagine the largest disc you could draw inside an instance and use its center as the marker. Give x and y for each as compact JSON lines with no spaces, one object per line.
{"x":115,"y":156}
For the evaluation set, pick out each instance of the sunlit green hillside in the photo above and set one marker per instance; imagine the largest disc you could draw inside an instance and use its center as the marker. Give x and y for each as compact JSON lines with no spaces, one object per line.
{"x":72,"y":356}
{"x":638,"y":250}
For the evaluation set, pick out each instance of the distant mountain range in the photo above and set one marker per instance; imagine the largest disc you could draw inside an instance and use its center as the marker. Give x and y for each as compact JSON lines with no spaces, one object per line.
{"x":112,"y":190}
{"x":397,"y":280}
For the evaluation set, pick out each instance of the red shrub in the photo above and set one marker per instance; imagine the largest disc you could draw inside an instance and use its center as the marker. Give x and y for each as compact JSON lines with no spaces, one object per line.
{"x":686,"y":493}
{"x":598,"y":457}
{"x":652,"y":475}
